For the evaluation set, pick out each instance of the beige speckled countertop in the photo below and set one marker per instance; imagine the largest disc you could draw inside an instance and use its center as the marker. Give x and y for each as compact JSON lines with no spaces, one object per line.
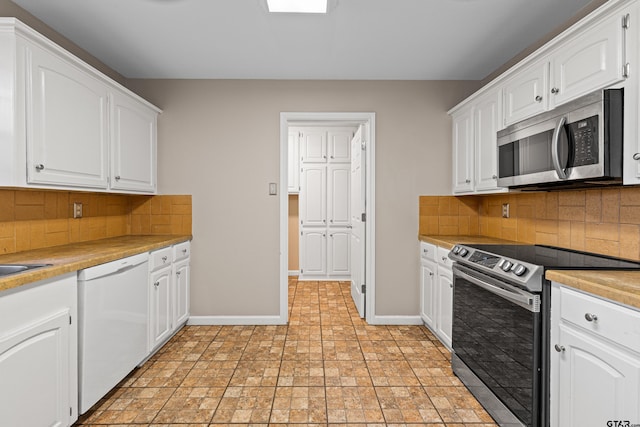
{"x":77,"y":256}
{"x":449,"y":241}
{"x":619,"y":286}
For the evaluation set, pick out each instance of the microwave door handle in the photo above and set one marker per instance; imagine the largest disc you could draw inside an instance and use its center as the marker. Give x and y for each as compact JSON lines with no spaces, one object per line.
{"x":555,"y":156}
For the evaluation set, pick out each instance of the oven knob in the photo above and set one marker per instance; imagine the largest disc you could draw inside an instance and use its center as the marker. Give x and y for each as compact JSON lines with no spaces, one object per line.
{"x":456,"y":250}
{"x":463,"y":252}
{"x":519,"y":269}
{"x":506,"y":266}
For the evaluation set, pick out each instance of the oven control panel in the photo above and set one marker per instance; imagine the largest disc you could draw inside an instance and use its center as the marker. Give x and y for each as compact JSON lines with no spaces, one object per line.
{"x":526,"y":274}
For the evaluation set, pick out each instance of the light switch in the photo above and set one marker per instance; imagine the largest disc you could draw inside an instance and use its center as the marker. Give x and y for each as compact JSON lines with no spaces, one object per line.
{"x":273,"y":189}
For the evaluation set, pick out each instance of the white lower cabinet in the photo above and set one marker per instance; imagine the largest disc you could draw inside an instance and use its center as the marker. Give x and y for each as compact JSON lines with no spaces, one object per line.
{"x":339,"y":253}
{"x":160,"y":327}
{"x":436,"y":291}
{"x":595,"y":361}
{"x":313,"y":252}
{"x":169,"y":291}
{"x":39,"y":354}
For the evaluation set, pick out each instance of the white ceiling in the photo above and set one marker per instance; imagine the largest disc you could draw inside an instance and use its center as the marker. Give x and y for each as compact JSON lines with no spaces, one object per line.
{"x":357,"y":39}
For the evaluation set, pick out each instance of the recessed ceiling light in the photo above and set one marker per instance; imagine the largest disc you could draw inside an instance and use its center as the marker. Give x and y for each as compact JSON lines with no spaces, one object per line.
{"x":297,"y":6}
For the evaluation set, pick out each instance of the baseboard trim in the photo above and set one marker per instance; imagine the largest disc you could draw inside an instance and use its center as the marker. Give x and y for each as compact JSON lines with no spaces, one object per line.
{"x":235,"y":320}
{"x":294,"y":272}
{"x":396,"y":320}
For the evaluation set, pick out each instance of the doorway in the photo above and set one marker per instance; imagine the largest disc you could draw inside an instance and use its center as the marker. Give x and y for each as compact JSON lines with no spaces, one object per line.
{"x":367,"y":120}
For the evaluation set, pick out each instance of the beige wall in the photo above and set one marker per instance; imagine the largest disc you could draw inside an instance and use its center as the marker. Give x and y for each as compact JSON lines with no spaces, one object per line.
{"x":9,"y":9}
{"x":219,"y":141}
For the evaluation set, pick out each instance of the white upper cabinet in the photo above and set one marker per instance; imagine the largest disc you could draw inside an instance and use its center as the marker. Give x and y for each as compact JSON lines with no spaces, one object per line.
{"x":486,"y":116}
{"x":133,"y":144}
{"x":525,"y":94}
{"x":66,"y":123}
{"x":339,"y":144}
{"x":313,"y":146}
{"x":338,"y":195}
{"x":313,"y":197}
{"x":588,"y":61}
{"x":293,"y":165}
{"x":463,"y":151}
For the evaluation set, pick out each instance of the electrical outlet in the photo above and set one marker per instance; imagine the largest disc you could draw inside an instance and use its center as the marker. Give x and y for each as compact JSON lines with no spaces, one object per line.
{"x":77,"y":210}
{"x":505,"y":210}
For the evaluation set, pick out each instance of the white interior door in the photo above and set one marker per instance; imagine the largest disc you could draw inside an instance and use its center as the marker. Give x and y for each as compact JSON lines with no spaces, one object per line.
{"x":357,"y":231}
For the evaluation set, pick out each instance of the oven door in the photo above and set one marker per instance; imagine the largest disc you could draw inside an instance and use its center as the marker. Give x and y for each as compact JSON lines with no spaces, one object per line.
{"x":497,"y":336}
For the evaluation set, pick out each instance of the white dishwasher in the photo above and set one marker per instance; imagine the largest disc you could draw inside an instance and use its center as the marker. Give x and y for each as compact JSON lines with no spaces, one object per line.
{"x":112,"y":328}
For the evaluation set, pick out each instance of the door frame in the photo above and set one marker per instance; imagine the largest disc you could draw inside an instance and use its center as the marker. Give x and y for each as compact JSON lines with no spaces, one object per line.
{"x":296,"y":118}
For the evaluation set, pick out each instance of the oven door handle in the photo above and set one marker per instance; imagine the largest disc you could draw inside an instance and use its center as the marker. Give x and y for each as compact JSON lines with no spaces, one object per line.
{"x":524,"y":299}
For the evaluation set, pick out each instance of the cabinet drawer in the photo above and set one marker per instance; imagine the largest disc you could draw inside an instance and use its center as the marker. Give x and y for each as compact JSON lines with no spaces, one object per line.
{"x":428,"y":251}
{"x":443,"y":257}
{"x":611,"y":321}
{"x":160,"y":258}
{"x":181,"y":251}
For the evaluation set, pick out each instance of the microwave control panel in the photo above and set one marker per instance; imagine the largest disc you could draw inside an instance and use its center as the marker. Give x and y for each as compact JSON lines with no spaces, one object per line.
{"x":583,"y":135}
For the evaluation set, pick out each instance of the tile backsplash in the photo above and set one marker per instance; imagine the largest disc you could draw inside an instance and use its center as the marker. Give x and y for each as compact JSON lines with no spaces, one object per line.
{"x":605,"y":221}
{"x":31,"y":219}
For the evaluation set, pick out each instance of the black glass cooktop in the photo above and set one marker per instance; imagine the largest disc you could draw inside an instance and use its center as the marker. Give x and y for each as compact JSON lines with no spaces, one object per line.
{"x":557,"y":258}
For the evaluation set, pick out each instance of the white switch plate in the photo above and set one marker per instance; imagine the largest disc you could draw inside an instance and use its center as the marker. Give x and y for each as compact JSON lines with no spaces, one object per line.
{"x":77,"y":210}
{"x":273,"y":189}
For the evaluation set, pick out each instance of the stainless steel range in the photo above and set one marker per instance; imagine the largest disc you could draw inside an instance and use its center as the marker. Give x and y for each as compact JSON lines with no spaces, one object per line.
{"x":501,"y":315}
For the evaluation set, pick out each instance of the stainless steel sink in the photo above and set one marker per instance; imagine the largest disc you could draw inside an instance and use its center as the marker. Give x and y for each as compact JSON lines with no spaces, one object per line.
{"x":7,"y":269}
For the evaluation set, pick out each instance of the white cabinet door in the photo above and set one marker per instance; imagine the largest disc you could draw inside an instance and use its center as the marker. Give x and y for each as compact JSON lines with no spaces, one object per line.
{"x":313,"y":146}
{"x":463,"y":151}
{"x":182,"y":281}
{"x":34,"y":367}
{"x":293,"y":165}
{"x":133,"y":145}
{"x":67,"y":126}
{"x":444,"y":305}
{"x":339,"y":253}
{"x":39,"y":354}
{"x":486,"y":114}
{"x":339,"y":195}
{"x":597,"y":382}
{"x":313,"y":252}
{"x":428,"y":276}
{"x":313,"y":196}
{"x":589,"y":61}
{"x":339,"y":145}
{"x":160,"y":309}
{"x":525,"y":94}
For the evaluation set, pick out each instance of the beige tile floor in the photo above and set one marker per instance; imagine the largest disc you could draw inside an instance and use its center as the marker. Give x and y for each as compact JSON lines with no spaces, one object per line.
{"x":326,"y":368}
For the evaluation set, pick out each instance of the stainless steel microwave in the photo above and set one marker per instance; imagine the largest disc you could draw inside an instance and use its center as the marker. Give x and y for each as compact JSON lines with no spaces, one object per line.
{"x":577,"y":143}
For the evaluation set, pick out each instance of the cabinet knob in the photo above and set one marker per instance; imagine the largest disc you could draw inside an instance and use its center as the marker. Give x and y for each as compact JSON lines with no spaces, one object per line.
{"x":331,"y":221}
{"x":451,"y":285}
{"x":117,"y":177}
{"x":468,"y":181}
{"x":555,"y":90}
{"x":444,"y":258}
{"x":178,"y":273}
{"x":39,"y":167}
{"x":184,"y":251}
{"x":156,"y":284}
{"x":495,"y":177}
{"x":538,"y":98}
{"x":559,"y":348}
{"x":430,"y":274}
{"x":591,"y":317}
{"x":636,"y":156}
{"x":164,"y":259}
{"x":332,"y":157}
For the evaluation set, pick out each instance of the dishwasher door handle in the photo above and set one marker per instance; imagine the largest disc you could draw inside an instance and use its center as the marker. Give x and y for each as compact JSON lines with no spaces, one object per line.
{"x":524,"y":299}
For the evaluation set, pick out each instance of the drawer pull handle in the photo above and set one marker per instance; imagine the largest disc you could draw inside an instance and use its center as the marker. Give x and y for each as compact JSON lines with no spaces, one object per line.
{"x":591,"y":317}
{"x":559,"y":348}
